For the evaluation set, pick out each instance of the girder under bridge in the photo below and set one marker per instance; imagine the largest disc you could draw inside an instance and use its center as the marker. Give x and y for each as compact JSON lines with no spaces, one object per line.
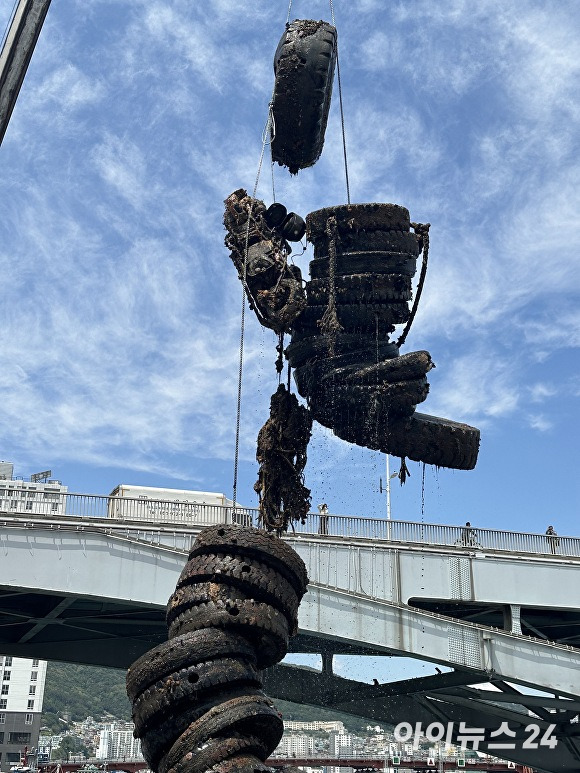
{"x":93,"y":590}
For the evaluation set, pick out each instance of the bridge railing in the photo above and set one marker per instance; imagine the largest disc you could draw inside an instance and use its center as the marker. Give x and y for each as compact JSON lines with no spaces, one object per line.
{"x":185,"y":514}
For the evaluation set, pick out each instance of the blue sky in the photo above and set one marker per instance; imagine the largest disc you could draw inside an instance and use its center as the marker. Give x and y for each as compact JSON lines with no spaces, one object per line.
{"x":120,"y":309}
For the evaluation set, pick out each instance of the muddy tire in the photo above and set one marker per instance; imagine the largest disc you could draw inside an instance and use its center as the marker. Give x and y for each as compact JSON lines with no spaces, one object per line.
{"x":304,"y":348}
{"x":156,"y":742}
{"x":353,"y":218}
{"x":254,"y":578}
{"x":304,"y":70}
{"x":254,"y":543}
{"x":421,"y":438}
{"x":252,"y":717}
{"x":357,"y":316}
{"x":215,"y":751}
{"x":371,"y":405}
{"x":184,"y":651}
{"x":366,"y":262}
{"x":361,"y":288}
{"x":189,"y":686}
{"x":265,"y":627}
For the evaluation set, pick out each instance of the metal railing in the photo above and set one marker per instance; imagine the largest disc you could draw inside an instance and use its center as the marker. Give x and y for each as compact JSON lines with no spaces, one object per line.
{"x":186,"y":515}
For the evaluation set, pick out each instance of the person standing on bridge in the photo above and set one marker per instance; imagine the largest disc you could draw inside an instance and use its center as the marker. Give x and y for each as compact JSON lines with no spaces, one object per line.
{"x":468,"y":535}
{"x":553,"y":539}
{"x":323,"y":522}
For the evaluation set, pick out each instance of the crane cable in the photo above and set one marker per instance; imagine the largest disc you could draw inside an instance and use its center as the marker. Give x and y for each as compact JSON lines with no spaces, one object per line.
{"x":341,"y":106}
{"x":267,"y":137}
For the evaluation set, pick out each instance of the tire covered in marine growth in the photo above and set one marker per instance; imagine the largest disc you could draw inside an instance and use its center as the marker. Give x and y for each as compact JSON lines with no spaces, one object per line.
{"x":197,"y":699}
{"x":304,"y":69}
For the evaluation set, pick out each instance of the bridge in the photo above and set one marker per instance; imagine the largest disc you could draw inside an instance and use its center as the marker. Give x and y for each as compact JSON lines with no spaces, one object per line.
{"x":358,"y":763}
{"x":501,"y":609}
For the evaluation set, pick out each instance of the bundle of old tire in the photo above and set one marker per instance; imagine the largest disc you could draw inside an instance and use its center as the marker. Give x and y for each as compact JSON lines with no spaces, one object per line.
{"x":352,"y":376}
{"x":304,"y":70}
{"x":274,"y":287}
{"x":198,"y":703}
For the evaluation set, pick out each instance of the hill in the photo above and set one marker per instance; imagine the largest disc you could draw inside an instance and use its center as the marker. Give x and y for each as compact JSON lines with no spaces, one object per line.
{"x":79,"y":691}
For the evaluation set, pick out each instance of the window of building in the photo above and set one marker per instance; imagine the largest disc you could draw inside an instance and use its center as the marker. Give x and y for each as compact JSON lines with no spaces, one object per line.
{"x":34,"y":676}
{"x":19,"y":737}
{"x":1,"y":737}
{"x":8,"y":661}
{"x":32,"y":689}
{"x":3,"y":704}
{"x":12,"y":756}
{"x":30,"y":705}
{"x":35,"y":663}
{"x":6,"y":676}
{"x":29,"y":505}
{"x":28,"y":719}
{"x":2,"y":719}
{"x":5,"y":688}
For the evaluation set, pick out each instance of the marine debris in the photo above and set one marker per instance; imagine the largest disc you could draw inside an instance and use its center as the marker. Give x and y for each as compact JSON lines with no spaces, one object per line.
{"x":197,"y":699}
{"x":282,"y":444}
{"x":304,"y":71}
{"x":352,"y":375}
{"x":259,"y":251}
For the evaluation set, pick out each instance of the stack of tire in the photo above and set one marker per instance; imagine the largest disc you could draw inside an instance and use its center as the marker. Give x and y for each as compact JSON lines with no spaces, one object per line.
{"x":198,"y":703}
{"x":354,"y":379}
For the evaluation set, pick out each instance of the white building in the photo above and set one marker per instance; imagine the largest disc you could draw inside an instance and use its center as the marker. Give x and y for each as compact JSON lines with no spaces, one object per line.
{"x":298,"y":745}
{"x":116,"y":742}
{"x":341,"y":745}
{"x":21,"y":693}
{"x":327,"y":727}
{"x":21,"y":679}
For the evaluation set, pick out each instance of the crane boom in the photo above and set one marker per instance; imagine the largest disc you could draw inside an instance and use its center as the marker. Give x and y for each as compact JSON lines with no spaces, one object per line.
{"x":23,"y":32}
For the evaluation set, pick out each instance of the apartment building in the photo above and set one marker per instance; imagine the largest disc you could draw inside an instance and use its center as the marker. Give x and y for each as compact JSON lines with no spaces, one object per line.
{"x":116,"y":742}
{"x":21,"y":693}
{"x":21,"y":679}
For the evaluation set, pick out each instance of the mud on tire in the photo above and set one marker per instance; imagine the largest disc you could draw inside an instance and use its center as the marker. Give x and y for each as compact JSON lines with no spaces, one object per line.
{"x":304,"y":70}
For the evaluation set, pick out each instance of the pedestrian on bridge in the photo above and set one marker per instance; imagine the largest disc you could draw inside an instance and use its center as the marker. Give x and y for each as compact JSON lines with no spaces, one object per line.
{"x":553,"y":539}
{"x":469,"y":535}
{"x":323,"y":523}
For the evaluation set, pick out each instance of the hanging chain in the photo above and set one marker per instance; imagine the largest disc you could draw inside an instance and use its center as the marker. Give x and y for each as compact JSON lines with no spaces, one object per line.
{"x":341,"y":107}
{"x":422,"y":232}
{"x":289,"y":11}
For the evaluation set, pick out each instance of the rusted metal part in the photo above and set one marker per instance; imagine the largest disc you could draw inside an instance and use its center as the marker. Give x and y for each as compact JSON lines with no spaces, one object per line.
{"x":260,"y":254}
{"x":197,"y":699}
{"x":350,"y":373}
{"x":281,"y":453}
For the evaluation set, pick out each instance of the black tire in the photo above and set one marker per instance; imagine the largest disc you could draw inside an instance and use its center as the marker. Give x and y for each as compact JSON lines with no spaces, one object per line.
{"x":396,"y":370}
{"x":214,"y":752}
{"x":190,"y":686}
{"x":255,"y":579}
{"x":156,"y":742}
{"x":265,"y":627}
{"x":242,"y":764}
{"x":366,"y":262}
{"x":357,"y":316}
{"x":304,"y":70}
{"x":249,"y":716}
{"x":184,"y":651}
{"x":421,"y":438}
{"x":229,"y":595}
{"x":303,"y":348}
{"x":358,"y":217}
{"x":361,"y":288}
{"x":369,"y":405}
{"x":254,"y":543}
